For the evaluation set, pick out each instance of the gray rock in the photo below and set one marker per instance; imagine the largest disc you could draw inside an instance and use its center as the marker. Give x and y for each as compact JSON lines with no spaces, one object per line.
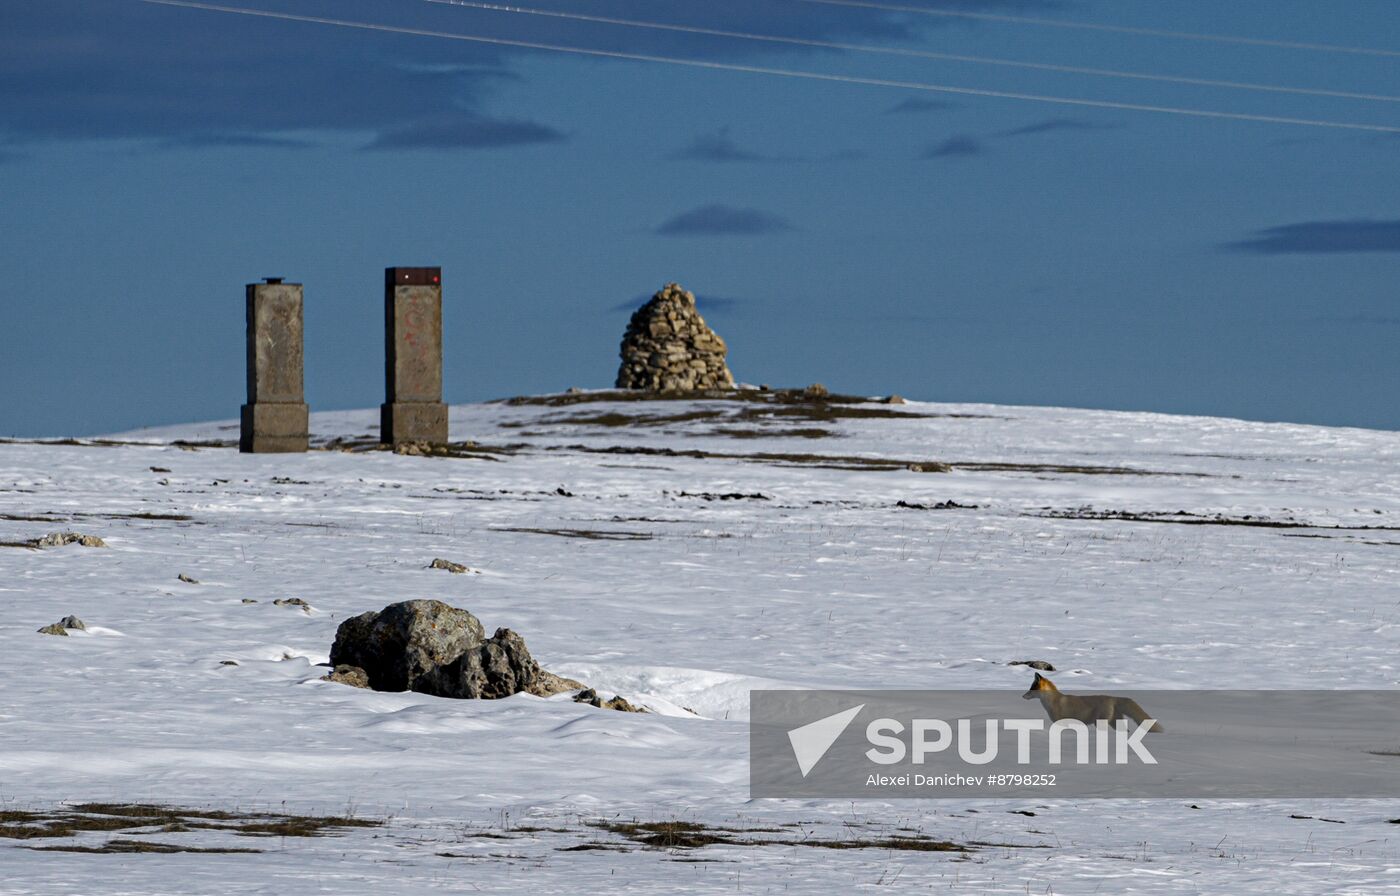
{"x":188,"y":580}
{"x":499,"y":667}
{"x":403,"y":642}
{"x":448,"y":565}
{"x":73,"y":622}
{"x":56,"y":628}
{"x":591,"y":697}
{"x":432,"y":648}
{"x":60,"y":539}
{"x":292,"y":602}
{"x":1042,"y":665}
{"x":351,"y":675}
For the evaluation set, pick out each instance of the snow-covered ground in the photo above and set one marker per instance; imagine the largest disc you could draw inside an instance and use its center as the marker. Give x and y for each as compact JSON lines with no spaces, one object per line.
{"x":679,"y":554}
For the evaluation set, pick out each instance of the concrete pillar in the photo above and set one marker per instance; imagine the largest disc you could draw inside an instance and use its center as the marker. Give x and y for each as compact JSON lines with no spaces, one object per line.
{"x":413,"y":410}
{"x":275,"y":417}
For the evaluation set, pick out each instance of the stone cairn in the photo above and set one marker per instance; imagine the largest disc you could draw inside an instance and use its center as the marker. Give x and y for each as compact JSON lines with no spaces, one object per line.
{"x":669,"y":347}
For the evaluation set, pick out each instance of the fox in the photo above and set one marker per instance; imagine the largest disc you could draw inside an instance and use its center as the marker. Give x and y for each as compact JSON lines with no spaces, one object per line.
{"x":1088,"y":708}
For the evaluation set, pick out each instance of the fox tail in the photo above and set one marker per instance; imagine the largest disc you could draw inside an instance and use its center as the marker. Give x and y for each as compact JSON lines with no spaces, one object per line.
{"x":1139,"y":715}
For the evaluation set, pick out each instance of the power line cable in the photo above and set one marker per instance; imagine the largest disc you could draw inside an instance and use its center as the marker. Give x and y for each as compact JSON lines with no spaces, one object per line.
{"x":1115,"y":29}
{"x":778,"y":72}
{"x":917,"y":54}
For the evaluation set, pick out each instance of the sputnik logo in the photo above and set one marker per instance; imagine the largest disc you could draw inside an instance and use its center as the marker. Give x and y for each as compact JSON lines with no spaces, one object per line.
{"x":811,"y":741}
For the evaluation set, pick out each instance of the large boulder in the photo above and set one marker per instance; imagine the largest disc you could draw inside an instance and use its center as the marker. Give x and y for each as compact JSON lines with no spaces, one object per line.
{"x":432,"y":648}
{"x":668,"y":347}
{"x":401,"y":643}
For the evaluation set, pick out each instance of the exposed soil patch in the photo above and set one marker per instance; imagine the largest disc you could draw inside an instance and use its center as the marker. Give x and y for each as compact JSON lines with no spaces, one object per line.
{"x":1081,"y":469}
{"x":80,"y":443}
{"x":593,"y":534}
{"x":751,"y":414}
{"x":691,"y":835}
{"x":141,"y":515}
{"x":823,"y":461}
{"x":941,"y":505}
{"x":1347,"y":538}
{"x":668,"y":834}
{"x":856,"y":462}
{"x":770,"y":433}
{"x":1186,"y":518}
{"x":727,"y":496}
{"x":1297,"y":817}
{"x":128,"y":846}
{"x":452,"y":449}
{"x":773,"y":396}
{"x":89,"y":817}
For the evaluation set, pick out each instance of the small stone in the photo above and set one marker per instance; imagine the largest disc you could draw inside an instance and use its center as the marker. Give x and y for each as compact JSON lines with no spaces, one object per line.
{"x":73,"y":622}
{"x":55,"y":628}
{"x":292,"y":602}
{"x":816,"y":390}
{"x":1041,"y":665}
{"x":60,"y":539}
{"x":249,"y":600}
{"x":448,"y":565}
{"x":228,"y":662}
{"x":188,"y":580}
{"x":159,"y":470}
{"x":346,"y":674}
{"x":894,"y":399}
{"x":590,"y":697}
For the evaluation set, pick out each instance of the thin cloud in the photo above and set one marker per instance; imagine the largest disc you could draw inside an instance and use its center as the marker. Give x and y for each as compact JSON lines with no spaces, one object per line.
{"x":235,"y":141}
{"x":1360,"y":235}
{"x":166,"y":73}
{"x":723,"y":220}
{"x":959,"y":146}
{"x":719,"y":147}
{"x":1362,"y":320}
{"x":1050,"y":125}
{"x":468,"y":132}
{"x":917,"y":104}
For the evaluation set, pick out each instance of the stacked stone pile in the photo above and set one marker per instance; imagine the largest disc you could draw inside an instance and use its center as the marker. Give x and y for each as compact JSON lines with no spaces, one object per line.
{"x":669,"y":347}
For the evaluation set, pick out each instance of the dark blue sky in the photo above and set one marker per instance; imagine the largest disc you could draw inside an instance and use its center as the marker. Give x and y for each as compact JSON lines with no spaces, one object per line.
{"x":949,"y":247}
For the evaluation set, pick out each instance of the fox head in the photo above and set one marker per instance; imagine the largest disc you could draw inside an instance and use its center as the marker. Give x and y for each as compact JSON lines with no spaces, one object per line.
{"x":1038,"y":686}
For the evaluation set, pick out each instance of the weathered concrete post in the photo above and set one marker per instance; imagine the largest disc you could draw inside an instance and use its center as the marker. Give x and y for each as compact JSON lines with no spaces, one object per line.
{"x":413,"y":410}
{"x":275,"y":417}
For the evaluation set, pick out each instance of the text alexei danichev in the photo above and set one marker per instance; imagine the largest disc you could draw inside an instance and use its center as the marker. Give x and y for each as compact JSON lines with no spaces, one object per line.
{"x":960,"y":780}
